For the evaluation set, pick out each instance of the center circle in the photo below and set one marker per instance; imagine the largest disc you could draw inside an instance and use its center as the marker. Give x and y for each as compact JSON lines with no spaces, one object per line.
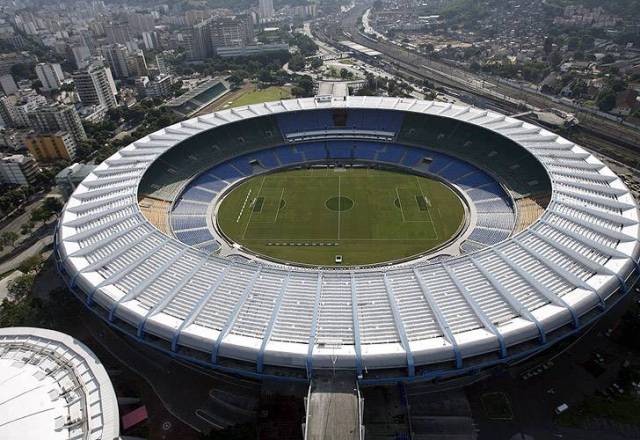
{"x":299,"y":216}
{"x":340,"y":203}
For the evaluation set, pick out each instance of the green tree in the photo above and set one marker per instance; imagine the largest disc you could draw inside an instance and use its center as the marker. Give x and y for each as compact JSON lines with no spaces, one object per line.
{"x":555,"y":59}
{"x":316,"y":63}
{"x":21,"y":286}
{"x":606,"y":100}
{"x":297,"y":62}
{"x":9,"y":238}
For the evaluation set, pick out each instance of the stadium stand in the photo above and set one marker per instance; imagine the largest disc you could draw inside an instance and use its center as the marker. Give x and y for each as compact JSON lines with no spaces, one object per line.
{"x":157,"y":212}
{"x":483,"y":148}
{"x":168,"y":174}
{"x":529,"y":209}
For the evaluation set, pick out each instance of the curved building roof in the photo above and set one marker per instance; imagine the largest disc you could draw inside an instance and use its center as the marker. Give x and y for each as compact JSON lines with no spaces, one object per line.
{"x":563,"y":265}
{"x":53,"y":387}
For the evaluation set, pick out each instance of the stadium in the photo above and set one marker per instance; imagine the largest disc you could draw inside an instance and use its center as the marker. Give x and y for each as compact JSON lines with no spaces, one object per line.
{"x":393,"y":238}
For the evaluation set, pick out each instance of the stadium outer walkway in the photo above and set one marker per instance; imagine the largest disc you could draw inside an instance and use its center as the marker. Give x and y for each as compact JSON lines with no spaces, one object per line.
{"x":334,"y":409}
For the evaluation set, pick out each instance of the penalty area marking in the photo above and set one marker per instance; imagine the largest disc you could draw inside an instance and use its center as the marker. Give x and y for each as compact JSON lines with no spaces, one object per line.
{"x":433,"y":226}
{"x":244,"y":233}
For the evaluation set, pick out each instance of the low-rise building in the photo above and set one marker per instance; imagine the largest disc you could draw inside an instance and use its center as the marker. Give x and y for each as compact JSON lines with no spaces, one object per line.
{"x":68,"y":179}
{"x":247,"y":51}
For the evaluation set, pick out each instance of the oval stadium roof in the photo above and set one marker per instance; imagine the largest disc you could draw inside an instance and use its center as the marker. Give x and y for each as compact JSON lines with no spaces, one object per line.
{"x":550,"y":276}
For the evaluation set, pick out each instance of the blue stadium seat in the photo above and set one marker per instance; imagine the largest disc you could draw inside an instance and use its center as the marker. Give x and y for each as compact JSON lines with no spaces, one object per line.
{"x":195,"y":236}
{"x":209,"y":182}
{"x":226,"y":172}
{"x":392,"y":153}
{"x":456,"y":169}
{"x":179,"y":223}
{"x":198,"y":195}
{"x":182,"y":207}
{"x":266,"y":158}
{"x":366,"y":150}
{"x":476,"y":179}
{"x":313,"y":151}
{"x":242,"y":164}
{"x":413,"y":156}
{"x":288,"y":156}
{"x":340,"y":150}
{"x":489,"y":236}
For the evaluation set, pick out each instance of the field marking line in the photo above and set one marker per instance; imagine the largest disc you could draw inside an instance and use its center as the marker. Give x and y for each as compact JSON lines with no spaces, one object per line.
{"x":279,"y":205}
{"x":400,"y":203}
{"x":339,"y":198}
{"x":244,"y":233}
{"x":243,"y":205}
{"x":433,"y":226}
{"x":315,"y":239}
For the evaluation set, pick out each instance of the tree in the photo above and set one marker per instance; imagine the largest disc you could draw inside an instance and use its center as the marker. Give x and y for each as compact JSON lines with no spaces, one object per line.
{"x":608,"y":59}
{"x":555,"y":59}
{"x":573,"y":43}
{"x":297,"y":62}
{"x":9,"y":238}
{"x":606,"y":100}
{"x":304,"y":87}
{"x":345,"y":74}
{"x":316,"y":63}
{"x":50,"y":206}
{"x":265,"y":76}
{"x":21,"y":286}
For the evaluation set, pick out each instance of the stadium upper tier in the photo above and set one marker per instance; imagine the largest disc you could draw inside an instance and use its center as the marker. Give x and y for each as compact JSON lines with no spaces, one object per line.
{"x":428,"y":317}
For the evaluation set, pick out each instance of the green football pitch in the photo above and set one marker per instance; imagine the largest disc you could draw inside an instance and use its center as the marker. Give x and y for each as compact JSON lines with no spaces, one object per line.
{"x":364,"y":215}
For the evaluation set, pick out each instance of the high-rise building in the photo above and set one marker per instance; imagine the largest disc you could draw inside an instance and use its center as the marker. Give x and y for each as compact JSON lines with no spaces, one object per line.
{"x":137,"y":63}
{"x":265,"y":9}
{"x":162,"y":65}
{"x":117,"y":33}
{"x":47,"y":147}
{"x":50,"y":75}
{"x":80,"y":54}
{"x":52,"y":118}
{"x":18,"y":169}
{"x":116,"y":55}
{"x":195,"y":16}
{"x":139,"y":23}
{"x":8,"y":85}
{"x":151,"y":40}
{"x":225,"y":31}
{"x":95,"y":86}
{"x":201,"y":42}
{"x":235,"y":30}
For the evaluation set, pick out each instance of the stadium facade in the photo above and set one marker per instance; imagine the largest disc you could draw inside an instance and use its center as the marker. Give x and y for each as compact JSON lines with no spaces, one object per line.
{"x":551,"y":243}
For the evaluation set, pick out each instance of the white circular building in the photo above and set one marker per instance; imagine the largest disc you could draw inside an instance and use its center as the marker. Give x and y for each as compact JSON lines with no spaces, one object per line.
{"x":53,"y":387}
{"x":550,"y":243}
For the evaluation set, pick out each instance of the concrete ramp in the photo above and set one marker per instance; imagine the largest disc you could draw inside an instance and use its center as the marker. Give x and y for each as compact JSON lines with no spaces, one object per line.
{"x":334,"y":410}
